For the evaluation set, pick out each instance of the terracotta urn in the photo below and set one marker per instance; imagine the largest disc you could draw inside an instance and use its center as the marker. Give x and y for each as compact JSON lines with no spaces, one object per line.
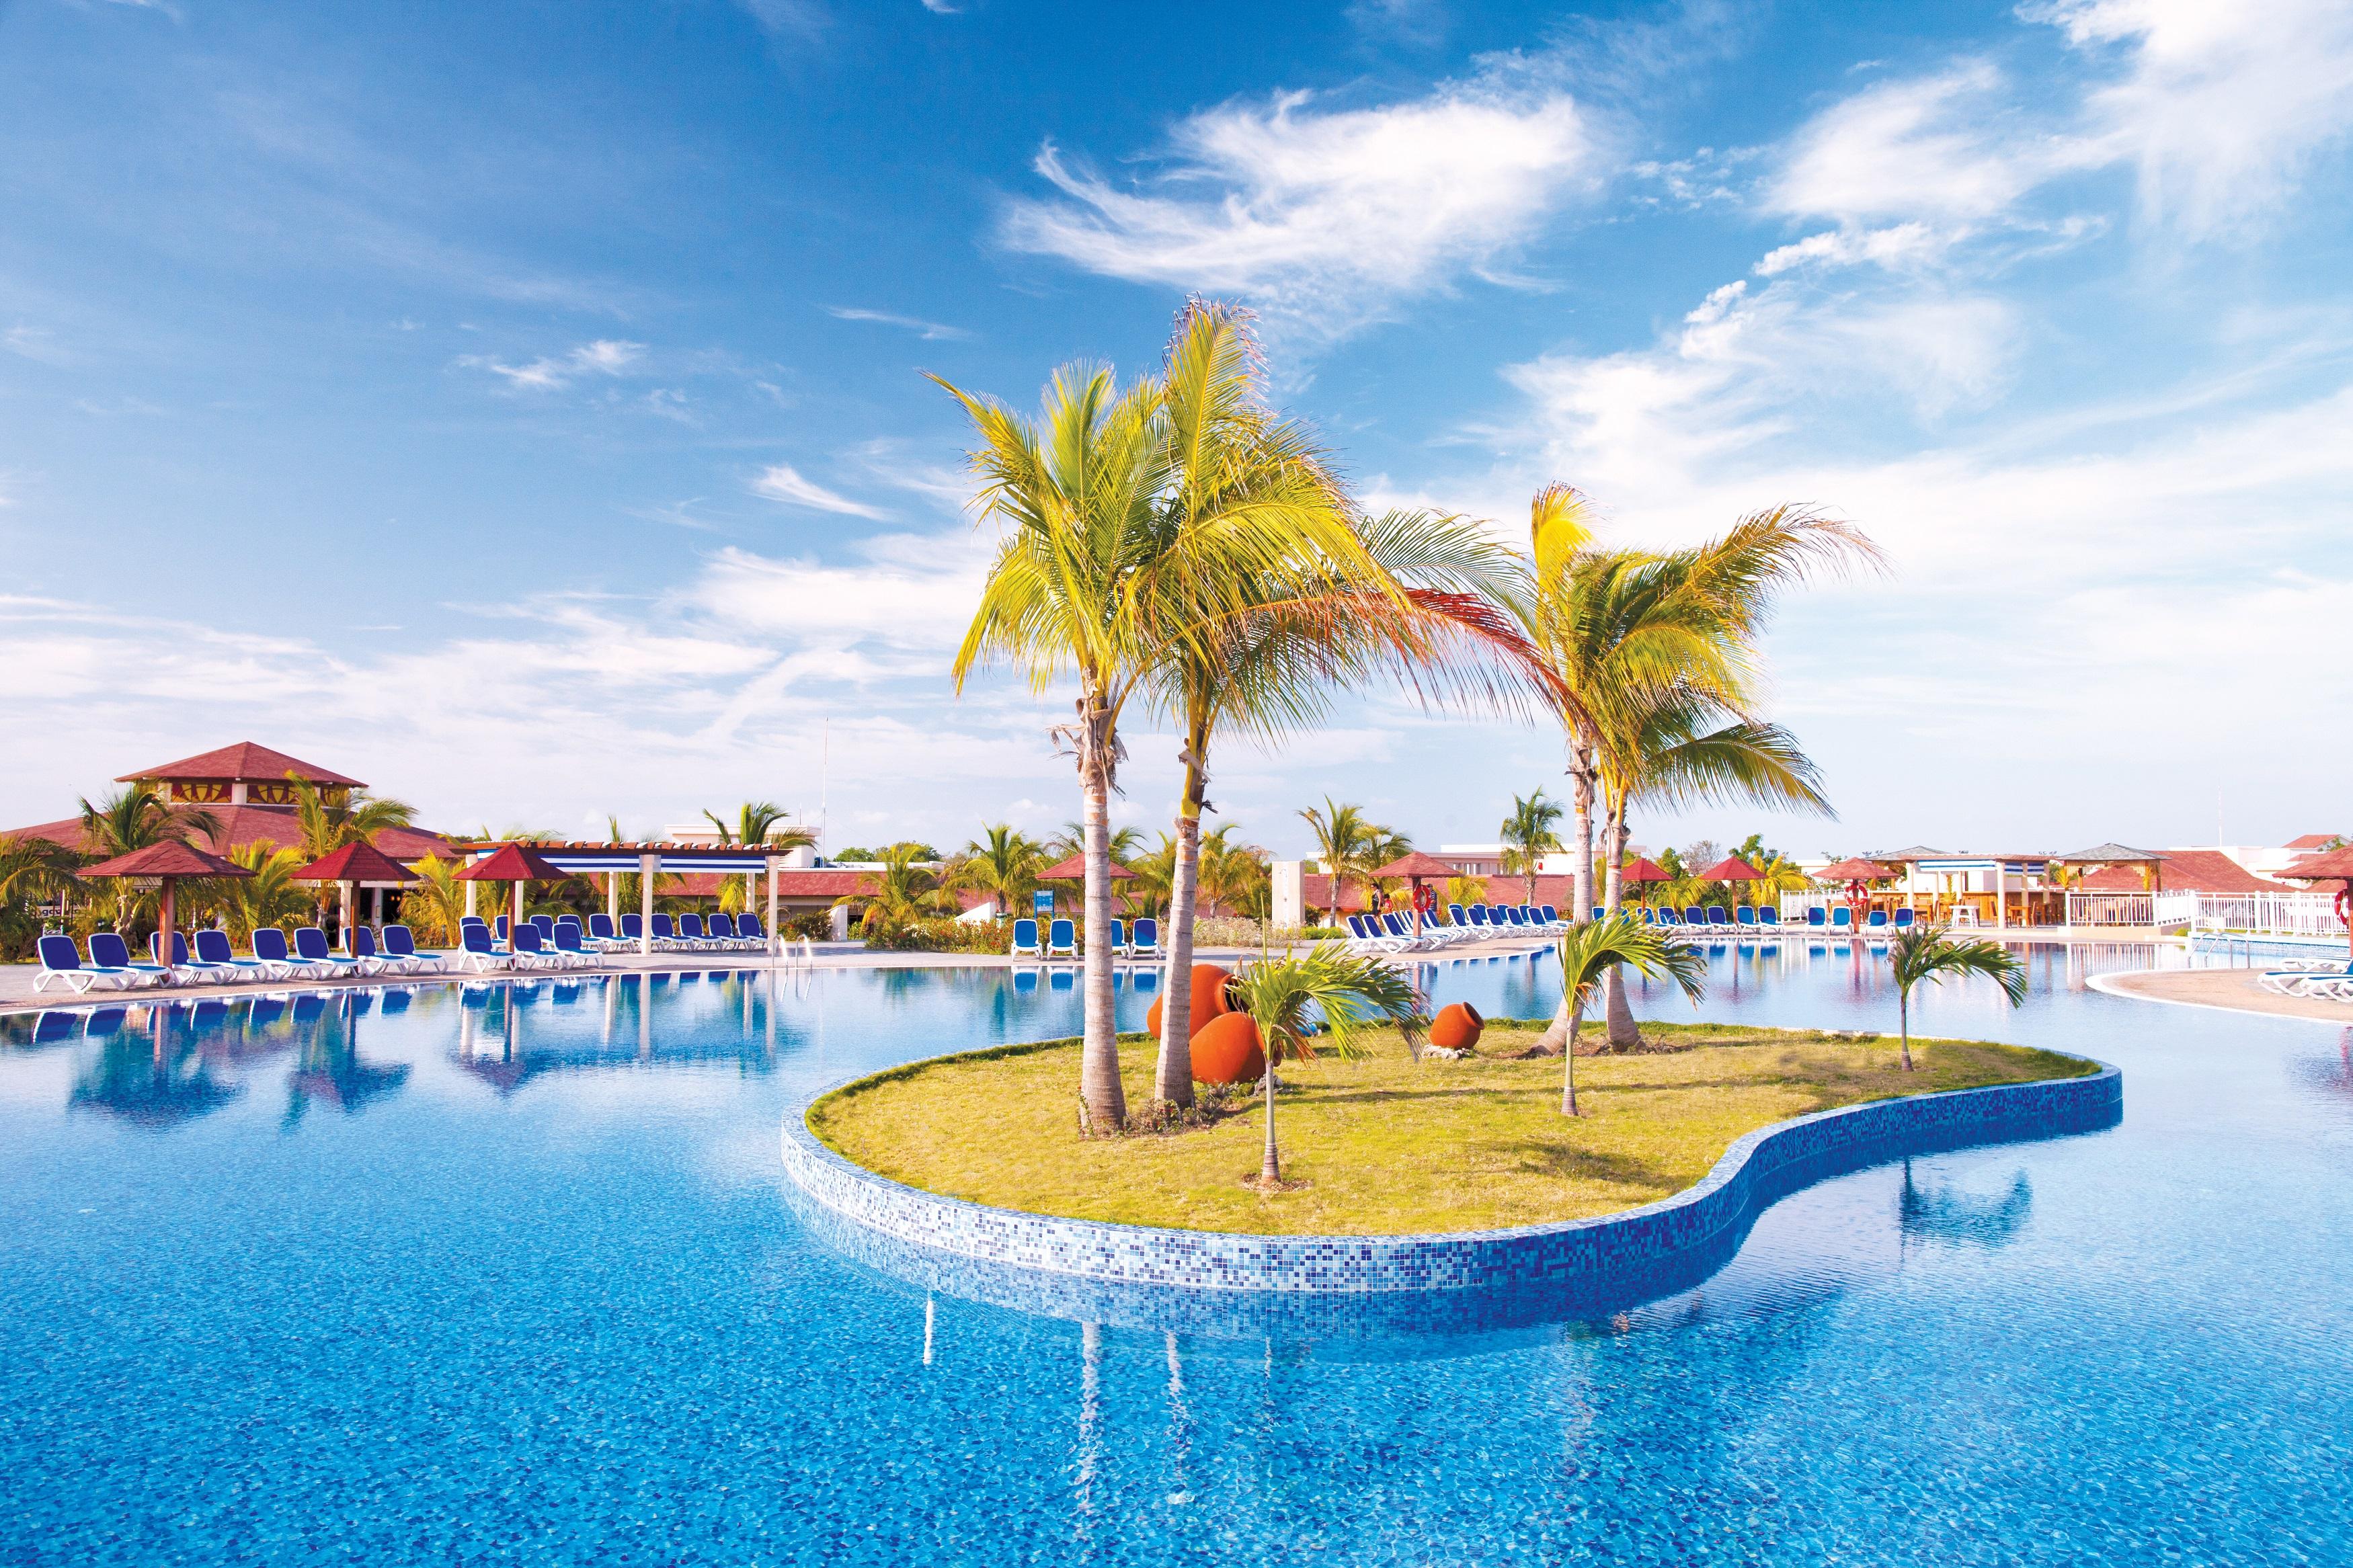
{"x":1227,"y":1049}
{"x":1456,"y":1028}
{"x":1209,"y":998}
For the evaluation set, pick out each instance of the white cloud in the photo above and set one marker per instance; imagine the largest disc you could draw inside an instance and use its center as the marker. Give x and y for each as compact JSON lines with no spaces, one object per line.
{"x":606,"y":356}
{"x":2218,"y":108}
{"x":2220,"y":105}
{"x":1845,"y":247}
{"x":782,"y":482}
{"x":1324,"y":217}
{"x":928,"y":330}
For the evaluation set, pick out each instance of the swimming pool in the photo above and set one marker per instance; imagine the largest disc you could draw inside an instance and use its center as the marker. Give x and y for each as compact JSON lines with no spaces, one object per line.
{"x":516,"y":1278}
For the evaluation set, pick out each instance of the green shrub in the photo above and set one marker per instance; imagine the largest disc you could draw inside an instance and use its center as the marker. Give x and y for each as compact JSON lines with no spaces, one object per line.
{"x":943,"y":936}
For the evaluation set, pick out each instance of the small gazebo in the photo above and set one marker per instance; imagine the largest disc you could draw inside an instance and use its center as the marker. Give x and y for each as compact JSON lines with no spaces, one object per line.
{"x":351,"y":866}
{"x":1416,"y":868}
{"x":516,"y":863}
{"x":166,"y":865}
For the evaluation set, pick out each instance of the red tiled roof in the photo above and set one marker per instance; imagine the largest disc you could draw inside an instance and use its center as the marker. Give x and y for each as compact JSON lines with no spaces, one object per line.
{"x":354,"y":863}
{"x":2183,"y":871}
{"x":245,"y":825}
{"x":2313,"y":841}
{"x":170,"y":859}
{"x":243,"y":760}
{"x":1315,"y":891}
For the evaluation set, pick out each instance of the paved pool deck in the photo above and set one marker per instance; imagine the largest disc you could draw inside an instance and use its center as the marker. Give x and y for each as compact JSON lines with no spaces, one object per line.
{"x":2228,"y":990}
{"x":17,"y":995}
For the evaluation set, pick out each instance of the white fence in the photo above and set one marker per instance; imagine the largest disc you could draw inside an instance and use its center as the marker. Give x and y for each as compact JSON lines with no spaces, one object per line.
{"x":2266,"y":914}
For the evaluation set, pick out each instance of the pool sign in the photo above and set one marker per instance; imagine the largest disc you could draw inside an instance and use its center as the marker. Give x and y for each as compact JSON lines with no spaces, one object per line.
{"x":1043,"y":902}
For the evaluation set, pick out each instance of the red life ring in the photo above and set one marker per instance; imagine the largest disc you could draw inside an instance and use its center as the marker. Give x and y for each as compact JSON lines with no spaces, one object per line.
{"x":2345,"y":904}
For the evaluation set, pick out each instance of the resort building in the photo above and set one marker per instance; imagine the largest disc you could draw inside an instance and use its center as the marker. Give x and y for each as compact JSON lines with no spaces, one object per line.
{"x":249,"y":789}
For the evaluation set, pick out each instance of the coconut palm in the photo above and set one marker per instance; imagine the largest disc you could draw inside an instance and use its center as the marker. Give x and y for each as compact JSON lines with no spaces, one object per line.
{"x":1235,"y":877}
{"x":32,"y":871}
{"x":270,"y":896}
{"x":134,"y":817}
{"x":436,"y":902}
{"x":756,"y":824}
{"x":1406,"y":595}
{"x":1594,"y":949}
{"x":904,"y":891}
{"x":1633,"y":636}
{"x":1386,"y":844}
{"x":1528,"y":836}
{"x":1004,"y":863}
{"x":1930,"y":953}
{"x":1343,"y":838}
{"x":1286,"y":996}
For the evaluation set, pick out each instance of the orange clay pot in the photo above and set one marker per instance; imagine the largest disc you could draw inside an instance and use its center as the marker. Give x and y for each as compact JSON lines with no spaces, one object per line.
{"x":1456,"y":1028}
{"x":1226,"y":1049}
{"x":1209,"y":998}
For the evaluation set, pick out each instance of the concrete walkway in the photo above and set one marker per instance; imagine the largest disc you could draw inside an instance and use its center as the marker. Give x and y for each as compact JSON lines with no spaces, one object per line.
{"x":2227,"y":990}
{"x":17,"y":995}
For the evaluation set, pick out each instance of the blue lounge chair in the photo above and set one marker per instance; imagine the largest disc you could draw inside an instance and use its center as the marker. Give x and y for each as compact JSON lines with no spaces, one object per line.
{"x":1144,"y":941}
{"x":1477,"y":917}
{"x":212,"y":947}
{"x":601,"y":933}
{"x":1119,"y":939}
{"x":1745,"y":916}
{"x":529,"y":953}
{"x":502,"y":930}
{"x":400,"y":948}
{"x":269,"y":949}
{"x":310,"y":947}
{"x":1718,"y":915}
{"x":665,"y":931}
{"x":633,"y":929}
{"x":571,"y":946}
{"x":1025,"y":939}
{"x":688,"y":932}
{"x":719,"y":929}
{"x":546,"y":924}
{"x":750,"y":931}
{"x":61,"y":961}
{"x":1842,"y":921}
{"x":1694,"y":916}
{"x":1817,"y":917}
{"x":360,"y":943}
{"x":184,"y":965}
{"x":1367,"y":936}
{"x":1876,"y":925}
{"x":1063,"y":940}
{"x":1551,"y":915}
{"x":475,"y":952}
{"x":109,"y":950}
{"x":1769,"y":915}
{"x":1905,"y":920}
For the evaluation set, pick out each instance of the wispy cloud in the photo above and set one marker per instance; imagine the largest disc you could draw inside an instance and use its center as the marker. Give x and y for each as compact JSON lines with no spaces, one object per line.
{"x":928,"y":330}
{"x":1324,"y":217}
{"x":606,"y":356}
{"x":784,"y":483}
{"x":802,"y":18}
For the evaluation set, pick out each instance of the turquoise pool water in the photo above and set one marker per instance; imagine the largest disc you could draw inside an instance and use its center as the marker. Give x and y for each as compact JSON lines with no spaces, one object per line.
{"x":512,"y":1277}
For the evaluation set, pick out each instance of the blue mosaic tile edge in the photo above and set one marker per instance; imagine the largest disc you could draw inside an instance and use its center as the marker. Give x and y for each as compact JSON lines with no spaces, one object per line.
{"x":1699,"y":1221}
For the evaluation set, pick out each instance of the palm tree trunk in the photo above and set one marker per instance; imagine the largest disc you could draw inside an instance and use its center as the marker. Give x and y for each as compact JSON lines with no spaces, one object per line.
{"x":1173,"y":1076}
{"x":1098,"y":1083}
{"x":1568,"y":1060}
{"x":1625,"y":1035}
{"x":1904,"y":1022}
{"x":1560,"y":1035}
{"x":1269,"y":1167}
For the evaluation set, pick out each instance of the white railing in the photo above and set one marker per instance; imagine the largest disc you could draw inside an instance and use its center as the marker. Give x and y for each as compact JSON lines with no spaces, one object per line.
{"x":2267,"y":914}
{"x":2111,"y":909}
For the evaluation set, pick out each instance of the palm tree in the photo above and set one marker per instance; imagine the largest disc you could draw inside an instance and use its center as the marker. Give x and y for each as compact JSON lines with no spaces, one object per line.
{"x":1386,"y":844}
{"x":1528,"y":837}
{"x":32,"y":872}
{"x":271,"y":897}
{"x":326,"y":823}
{"x":756,"y":824}
{"x":1280,"y":993}
{"x":1654,"y":649}
{"x":436,"y":902}
{"x":1155,"y":883}
{"x":1003,"y":862}
{"x":904,"y":892}
{"x":1928,"y":952}
{"x":1234,"y":876}
{"x":1593,"y":948}
{"x":1342,"y":837}
{"x":134,"y":817}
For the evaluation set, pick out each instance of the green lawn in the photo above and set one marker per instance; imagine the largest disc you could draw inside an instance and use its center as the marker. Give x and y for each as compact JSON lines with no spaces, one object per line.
{"x":1386,"y":1145}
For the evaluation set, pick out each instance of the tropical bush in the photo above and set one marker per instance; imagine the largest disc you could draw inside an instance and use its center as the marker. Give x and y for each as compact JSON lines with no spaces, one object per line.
{"x":940,"y":935}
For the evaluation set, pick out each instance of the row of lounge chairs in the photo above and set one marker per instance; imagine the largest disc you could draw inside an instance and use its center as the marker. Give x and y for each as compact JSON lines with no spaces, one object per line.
{"x":2329,"y":980}
{"x":543,"y":942}
{"x":1061,"y":939}
{"x":1392,"y":932}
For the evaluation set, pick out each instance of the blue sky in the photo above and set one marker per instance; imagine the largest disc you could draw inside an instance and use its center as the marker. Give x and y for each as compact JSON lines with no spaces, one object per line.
{"x":519,"y":405}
